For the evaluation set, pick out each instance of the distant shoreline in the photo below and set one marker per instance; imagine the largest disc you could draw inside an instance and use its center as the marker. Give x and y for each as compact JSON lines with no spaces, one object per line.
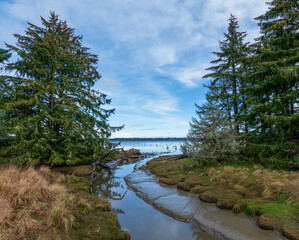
{"x":147,"y":139}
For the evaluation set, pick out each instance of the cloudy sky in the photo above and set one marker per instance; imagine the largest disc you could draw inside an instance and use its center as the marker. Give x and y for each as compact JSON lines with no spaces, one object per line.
{"x":152,"y":54}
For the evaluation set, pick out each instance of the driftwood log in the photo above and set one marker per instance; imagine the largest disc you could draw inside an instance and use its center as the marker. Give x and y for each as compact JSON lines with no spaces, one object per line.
{"x":100,"y":162}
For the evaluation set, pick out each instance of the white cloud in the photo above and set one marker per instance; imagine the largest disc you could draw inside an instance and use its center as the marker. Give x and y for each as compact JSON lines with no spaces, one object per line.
{"x":110,"y":85}
{"x":169,"y":126}
{"x":189,"y":77}
{"x":161,"y":105}
{"x":143,"y":46}
{"x":163,"y":55}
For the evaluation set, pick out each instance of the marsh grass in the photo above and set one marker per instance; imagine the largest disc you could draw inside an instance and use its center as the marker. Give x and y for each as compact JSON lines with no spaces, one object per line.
{"x":38,"y":203}
{"x":42,"y":204}
{"x":271,"y":194}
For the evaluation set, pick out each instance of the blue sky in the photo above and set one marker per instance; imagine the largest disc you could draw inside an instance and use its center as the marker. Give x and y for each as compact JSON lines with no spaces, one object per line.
{"x":152,"y":54}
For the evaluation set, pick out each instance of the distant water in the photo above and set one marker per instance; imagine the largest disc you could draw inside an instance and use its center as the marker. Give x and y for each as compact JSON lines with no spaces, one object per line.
{"x":156,"y":147}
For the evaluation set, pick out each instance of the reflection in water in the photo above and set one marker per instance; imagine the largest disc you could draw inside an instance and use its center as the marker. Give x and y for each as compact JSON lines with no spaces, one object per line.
{"x":144,"y":222}
{"x":110,"y":186}
{"x":136,"y":216}
{"x":118,"y":211}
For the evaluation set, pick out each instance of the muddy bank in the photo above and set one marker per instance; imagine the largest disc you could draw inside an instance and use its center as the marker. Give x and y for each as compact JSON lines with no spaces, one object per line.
{"x":140,"y":219}
{"x":118,"y":158}
{"x":270,"y":196}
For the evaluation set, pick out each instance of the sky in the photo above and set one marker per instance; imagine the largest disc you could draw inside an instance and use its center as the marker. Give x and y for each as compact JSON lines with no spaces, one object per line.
{"x":152,"y":54}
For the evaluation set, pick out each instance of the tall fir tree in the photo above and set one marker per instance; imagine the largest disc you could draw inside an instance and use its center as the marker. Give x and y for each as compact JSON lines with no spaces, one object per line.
{"x":211,"y":137}
{"x":274,"y":115}
{"x":53,"y":115}
{"x":227,"y":73}
{"x":214,"y":134}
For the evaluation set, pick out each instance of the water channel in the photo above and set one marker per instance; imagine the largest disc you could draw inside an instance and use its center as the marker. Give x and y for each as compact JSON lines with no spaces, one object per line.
{"x":152,"y":211}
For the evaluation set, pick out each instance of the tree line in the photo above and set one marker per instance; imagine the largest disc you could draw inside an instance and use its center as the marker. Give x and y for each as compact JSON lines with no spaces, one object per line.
{"x":251,"y":110}
{"x":49,"y":112}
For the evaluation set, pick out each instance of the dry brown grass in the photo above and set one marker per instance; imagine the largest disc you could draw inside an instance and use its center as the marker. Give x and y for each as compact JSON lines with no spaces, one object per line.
{"x":31,"y":204}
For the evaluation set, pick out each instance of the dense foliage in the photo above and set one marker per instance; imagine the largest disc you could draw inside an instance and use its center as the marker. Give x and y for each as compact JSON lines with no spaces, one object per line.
{"x":52,"y":113}
{"x":253,"y":90}
{"x":211,"y":137}
{"x":274,"y":89}
{"x":4,"y":56}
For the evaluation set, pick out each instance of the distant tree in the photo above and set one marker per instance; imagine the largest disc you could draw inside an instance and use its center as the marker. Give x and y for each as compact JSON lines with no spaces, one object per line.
{"x":274,"y":89}
{"x":227,"y":74}
{"x":54,"y":116}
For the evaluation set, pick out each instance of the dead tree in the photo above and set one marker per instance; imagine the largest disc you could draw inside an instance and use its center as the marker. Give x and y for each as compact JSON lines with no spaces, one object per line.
{"x":100,"y":162}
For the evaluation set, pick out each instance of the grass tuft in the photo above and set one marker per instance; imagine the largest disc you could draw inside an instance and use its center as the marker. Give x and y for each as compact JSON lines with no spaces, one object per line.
{"x":84,"y":206}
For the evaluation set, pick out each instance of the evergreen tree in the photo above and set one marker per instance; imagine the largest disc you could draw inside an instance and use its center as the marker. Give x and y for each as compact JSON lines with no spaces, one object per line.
{"x":4,"y":56}
{"x":228,"y":81}
{"x":214,"y":134}
{"x":211,"y":137}
{"x":53,"y":115}
{"x":274,"y":117}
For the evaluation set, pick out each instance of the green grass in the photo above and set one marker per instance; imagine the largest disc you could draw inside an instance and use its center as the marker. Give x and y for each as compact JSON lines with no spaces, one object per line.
{"x":283,"y":197}
{"x":78,"y":184}
{"x":281,"y":211}
{"x":190,"y":161}
{"x":279,"y":178}
{"x":99,"y":225}
{"x":241,"y":164}
{"x":152,"y":166}
{"x":95,"y":221}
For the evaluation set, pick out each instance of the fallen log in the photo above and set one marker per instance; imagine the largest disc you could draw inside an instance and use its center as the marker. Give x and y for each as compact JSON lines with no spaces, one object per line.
{"x":100,"y":162}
